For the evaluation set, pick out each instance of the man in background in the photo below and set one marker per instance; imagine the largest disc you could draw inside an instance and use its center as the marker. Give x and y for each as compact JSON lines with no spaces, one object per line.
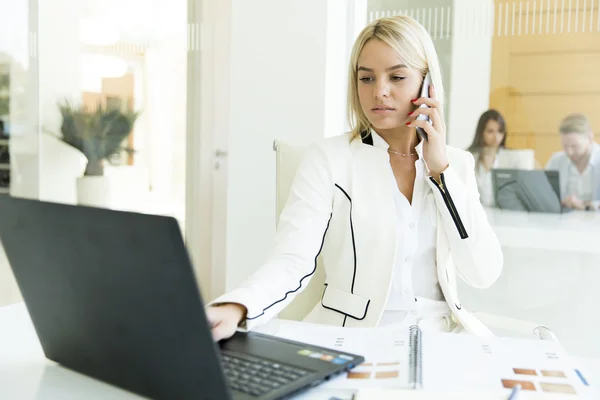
{"x":578,"y":164}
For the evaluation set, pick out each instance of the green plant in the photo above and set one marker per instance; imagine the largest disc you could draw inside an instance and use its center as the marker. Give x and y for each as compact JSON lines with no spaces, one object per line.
{"x":98,"y":133}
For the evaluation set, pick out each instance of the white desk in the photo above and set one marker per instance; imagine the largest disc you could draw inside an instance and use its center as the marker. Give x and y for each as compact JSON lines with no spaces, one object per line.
{"x":551,"y":275}
{"x":576,"y":231}
{"x":25,"y":374}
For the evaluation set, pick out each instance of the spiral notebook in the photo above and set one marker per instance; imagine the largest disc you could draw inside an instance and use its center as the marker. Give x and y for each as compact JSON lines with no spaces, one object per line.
{"x":411,"y":359}
{"x":462,"y":362}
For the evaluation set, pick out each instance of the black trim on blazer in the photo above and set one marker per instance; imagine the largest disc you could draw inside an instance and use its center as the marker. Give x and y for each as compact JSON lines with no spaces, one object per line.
{"x":366,"y":138}
{"x":352,"y":233}
{"x":341,"y":312}
{"x":353,"y":244}
{"x":301,"y":279}
{"x":450,"y":205}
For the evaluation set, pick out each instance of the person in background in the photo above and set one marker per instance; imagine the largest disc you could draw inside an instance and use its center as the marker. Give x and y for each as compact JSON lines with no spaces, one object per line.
{"x":395,"y":219}
{"x":489,"y":151}
{"x":578,"y":164}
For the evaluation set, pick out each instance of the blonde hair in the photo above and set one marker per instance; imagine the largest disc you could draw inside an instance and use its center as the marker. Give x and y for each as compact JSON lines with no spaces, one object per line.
{"x":413,"y":45}
{"x":575,"y":123}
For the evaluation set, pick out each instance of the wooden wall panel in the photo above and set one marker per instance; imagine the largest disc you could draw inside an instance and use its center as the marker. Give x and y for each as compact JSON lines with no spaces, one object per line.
{"x":561,"y":73}
{"x":522,"y":109}
{"x":546,"y":70}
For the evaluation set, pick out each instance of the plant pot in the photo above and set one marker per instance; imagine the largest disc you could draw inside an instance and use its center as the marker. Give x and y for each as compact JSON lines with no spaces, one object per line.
{"x":94,"y":191}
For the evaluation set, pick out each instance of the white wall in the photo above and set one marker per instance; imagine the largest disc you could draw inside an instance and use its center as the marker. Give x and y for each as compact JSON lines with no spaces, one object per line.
{"x":160,"y":132}
{"x":336,"y":65}
{"x":278,"y":56}
{"x":470,"y":69}
{"x":345,"y":20}
{"x":164,"y":110}
{"x":59,"y":52}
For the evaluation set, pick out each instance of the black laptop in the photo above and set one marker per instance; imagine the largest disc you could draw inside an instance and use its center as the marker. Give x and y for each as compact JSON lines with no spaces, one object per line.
{"x":527,"y":190}
{"x":113,"y":295}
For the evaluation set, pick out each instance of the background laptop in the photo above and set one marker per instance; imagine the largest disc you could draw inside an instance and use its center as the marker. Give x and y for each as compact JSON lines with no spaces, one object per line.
{"x":113,"y":295}
{"x":527,"y":190}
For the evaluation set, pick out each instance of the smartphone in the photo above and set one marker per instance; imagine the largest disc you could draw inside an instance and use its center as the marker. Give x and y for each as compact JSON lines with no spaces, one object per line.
{"x":424,"y":93}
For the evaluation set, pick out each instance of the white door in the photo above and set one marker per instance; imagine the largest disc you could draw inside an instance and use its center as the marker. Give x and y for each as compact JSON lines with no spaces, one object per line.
{"x":208,"y":120}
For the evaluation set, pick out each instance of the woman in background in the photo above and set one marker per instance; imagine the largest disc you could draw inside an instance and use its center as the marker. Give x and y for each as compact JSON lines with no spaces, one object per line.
{"x":488,"y":149}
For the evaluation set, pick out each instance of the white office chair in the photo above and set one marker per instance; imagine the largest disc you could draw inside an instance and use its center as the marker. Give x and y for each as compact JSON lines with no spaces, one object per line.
{"x":288,"y":158}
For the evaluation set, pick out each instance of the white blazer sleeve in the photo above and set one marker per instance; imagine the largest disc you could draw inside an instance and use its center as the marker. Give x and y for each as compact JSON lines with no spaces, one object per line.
{"x":298,"y":242}
{"x":473,"y":244}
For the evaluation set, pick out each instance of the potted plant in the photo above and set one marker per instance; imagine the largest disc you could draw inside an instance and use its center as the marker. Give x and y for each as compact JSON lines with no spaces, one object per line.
{"x":98,"y":134}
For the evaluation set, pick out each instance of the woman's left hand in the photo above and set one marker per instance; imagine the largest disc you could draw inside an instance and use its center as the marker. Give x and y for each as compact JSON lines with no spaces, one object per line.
{"x":434,"y":148}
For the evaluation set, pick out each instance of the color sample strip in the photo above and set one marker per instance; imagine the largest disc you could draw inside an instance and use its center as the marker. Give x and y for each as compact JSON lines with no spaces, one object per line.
{"x":511,"y":383}
{"x":553,"y":374}
{"x":388,"y":364}
{"x":558,"y":388}
{"x":359,"y":375}
{"x":387,"y":374}
{"x":523,"y":371}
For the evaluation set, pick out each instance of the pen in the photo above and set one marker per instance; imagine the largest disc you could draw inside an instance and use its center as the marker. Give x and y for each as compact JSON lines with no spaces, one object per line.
{"x":515,"y":392}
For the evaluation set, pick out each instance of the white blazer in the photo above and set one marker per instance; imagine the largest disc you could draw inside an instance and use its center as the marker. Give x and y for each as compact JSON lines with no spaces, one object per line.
{"x":341,"y":210}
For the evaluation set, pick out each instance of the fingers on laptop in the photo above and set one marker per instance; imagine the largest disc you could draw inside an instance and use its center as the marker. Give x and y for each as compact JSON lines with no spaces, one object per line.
{"x":222,"y":330}
{"x":223,"y":324}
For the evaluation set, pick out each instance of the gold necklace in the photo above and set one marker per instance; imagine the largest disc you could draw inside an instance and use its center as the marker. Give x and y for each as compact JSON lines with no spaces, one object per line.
{"x":401,"y":154}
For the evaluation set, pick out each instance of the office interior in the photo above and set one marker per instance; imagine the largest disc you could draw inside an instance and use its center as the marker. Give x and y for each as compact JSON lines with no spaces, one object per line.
{"x":216,"y":83}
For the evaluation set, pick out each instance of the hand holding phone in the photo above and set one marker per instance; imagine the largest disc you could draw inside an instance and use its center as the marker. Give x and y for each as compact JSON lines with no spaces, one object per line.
{"x":424,"y":93}
{"x":433,"y":131}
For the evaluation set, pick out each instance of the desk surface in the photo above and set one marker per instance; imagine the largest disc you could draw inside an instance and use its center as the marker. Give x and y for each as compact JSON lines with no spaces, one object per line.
{"x":575,"y":231}
{"x":25,"y":374}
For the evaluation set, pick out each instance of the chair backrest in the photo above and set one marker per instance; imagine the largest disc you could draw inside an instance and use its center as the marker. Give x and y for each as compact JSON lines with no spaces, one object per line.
{"x":288,"y":159}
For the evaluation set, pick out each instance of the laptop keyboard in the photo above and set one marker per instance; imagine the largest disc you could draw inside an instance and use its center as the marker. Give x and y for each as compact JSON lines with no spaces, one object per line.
{"x":255,"y":376}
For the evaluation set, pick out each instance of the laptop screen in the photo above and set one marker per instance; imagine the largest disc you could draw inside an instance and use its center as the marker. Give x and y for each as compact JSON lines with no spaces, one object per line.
{"x":527,"y":190}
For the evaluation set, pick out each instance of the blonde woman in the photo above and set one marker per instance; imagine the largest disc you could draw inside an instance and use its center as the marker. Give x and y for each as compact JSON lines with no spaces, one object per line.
{"x":395,"y":220}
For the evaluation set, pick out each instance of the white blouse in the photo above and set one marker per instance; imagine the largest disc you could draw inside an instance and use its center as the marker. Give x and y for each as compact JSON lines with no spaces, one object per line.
{"x":580,"y":185}
{"x":415,"y":292}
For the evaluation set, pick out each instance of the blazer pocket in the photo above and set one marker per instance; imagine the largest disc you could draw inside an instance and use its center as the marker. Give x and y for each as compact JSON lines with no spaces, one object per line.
{"x":344,"y":302}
